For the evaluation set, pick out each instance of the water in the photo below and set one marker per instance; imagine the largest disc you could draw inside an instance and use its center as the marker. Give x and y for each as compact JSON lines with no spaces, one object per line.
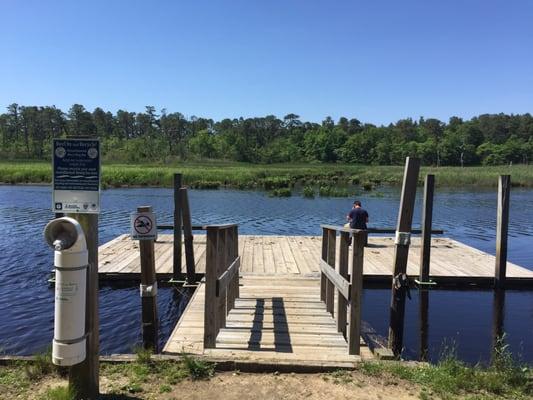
{"x":461,"y":317}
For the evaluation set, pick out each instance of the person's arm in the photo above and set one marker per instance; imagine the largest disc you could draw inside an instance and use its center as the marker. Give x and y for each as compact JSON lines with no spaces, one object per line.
{"x":367,"y":218}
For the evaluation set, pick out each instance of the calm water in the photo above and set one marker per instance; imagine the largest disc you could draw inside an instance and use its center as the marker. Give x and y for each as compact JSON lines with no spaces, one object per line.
{"x":463,"y":317}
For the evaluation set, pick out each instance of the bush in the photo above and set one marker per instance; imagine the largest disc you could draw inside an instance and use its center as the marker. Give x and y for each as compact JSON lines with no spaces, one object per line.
{"x":283,"y":192}
{"x":308,"y":192}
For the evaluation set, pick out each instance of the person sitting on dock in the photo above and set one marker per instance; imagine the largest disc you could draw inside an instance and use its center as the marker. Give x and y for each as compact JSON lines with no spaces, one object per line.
{"x":358,"y":217}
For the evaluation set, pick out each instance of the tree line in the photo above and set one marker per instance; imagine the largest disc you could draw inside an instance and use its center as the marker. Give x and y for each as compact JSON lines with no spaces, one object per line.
{"x":26,"y":132}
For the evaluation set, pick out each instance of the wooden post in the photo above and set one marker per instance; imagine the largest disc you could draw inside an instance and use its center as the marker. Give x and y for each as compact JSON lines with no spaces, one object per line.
{"x":236,"y":254}
{"x":176,"y":264}
{"x":502,"y":224}
{"x":342,"y":304}
{"x":230,"y":302}
{"x":330,"y":287}
{"x":405,"y":219}
{"x":188,"y":237}
{"x":423,"y":299}
{"x":221,"y":268}
{"x":356,"y":290}
{"x":427,"y":219}
{"x":210,"y":307}
{"x":148,"y":296}
{"x":498,"y":317}
{"x":84,"y":378}
{"x":323,"y":279}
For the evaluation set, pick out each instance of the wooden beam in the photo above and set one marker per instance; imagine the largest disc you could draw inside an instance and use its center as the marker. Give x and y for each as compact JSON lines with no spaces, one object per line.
{"x":148,"y":301}
{"x":342,"y":303}
{"x":210,"y":306}
{"x":502,"y":226}
{"x":226,"y":278}
{"x":222,"y":263}
{"x":84,"y":378}
{"x":176,"y":261}
{"x":427,"y":219}
{"x":325,"y":258}
{"x":188,"y":237}
{"x":356,"y":291}
{"x":339,"y":228}
{"x":330,"y":288}
{"x":338,"y":281}
{"x":405,"y":219}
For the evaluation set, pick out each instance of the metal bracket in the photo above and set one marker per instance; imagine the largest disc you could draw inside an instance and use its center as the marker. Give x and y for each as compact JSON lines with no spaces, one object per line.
{"x":148,"y":290}
{"x":403,"y":238}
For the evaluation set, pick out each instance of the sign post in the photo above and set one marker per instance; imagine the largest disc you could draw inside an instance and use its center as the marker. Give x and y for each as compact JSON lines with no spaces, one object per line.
{"x":144,"y":229}
{"x":76,"y":192}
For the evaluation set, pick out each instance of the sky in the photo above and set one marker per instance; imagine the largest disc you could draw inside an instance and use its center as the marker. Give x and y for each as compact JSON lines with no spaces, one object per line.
{"x":377,"y":61}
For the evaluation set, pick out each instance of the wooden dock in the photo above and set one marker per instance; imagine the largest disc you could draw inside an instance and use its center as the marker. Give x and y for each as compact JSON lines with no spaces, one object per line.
{"x":278,"y":318}
{"x":452,"y":262}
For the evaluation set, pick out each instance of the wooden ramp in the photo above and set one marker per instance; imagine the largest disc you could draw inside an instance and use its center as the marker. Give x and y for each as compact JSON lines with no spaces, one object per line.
{"x":452,"y":262}
{"x":276,"y":319}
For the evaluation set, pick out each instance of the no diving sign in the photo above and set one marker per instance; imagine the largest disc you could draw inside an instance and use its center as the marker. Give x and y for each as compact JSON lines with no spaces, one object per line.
{"x":143,"y":226}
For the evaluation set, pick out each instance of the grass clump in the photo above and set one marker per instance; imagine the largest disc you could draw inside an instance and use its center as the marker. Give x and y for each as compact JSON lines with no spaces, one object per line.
{"x":331,"y":191}
{"x":308,"y":192}
{"x":198,"y":369}
{"x":59,"y":393}
{"x":283,"y":192}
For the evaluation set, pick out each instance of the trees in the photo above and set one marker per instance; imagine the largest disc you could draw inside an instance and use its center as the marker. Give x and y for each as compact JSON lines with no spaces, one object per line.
{"x":27,"y":131}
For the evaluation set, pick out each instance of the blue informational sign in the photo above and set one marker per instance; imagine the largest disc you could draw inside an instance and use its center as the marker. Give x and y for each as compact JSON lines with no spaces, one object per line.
{"x":76,"y":168}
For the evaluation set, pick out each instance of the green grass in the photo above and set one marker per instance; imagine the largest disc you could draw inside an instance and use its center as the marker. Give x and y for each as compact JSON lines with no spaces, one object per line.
{"x":451,"y":378}
{"x":282,"y":192}
{"x":212,"y":175}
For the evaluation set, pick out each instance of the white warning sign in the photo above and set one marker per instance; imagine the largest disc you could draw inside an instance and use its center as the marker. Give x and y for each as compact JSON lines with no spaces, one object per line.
{"x":143,"y":226}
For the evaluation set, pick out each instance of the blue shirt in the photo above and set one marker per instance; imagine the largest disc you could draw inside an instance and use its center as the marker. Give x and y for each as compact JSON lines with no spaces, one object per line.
{"x":359,"y":217}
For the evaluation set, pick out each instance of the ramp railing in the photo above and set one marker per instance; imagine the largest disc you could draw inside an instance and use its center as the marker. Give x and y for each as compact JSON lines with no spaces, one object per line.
{"x":221,"y":278}
{"x":349,"y":286}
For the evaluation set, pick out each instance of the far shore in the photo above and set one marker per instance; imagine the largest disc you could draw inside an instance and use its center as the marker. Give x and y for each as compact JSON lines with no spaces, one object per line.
{"x":269,"y":177}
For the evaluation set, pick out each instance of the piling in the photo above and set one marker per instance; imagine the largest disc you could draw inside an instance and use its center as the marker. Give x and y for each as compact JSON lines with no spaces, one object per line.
{"x":187,"y":235}
{"x":502,"y":224}
{"x":176,"y":262}
{"x":148,"y":290}
{"x":403,"y":231}
{"x":427,"y":219}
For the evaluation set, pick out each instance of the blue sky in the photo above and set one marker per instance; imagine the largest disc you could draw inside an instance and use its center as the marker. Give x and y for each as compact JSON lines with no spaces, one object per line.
{"x":378,"y":61}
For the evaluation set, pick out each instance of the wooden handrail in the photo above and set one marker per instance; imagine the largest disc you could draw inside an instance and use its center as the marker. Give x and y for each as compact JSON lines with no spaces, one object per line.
{"x":221,"y":278}
{"x":377,"y":230}
{"x":349,"y":287}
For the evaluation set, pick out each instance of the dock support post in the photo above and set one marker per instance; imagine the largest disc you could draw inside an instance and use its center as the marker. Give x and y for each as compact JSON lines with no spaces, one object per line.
{"x":423,"y":299}
{"x":342,"y":304}
{"x":211,"y":276}
{"x":498,"y":317}
{"x":176,"y":261}
{"x":330,"y":287}
{"x":84,"y":378}
{"x":188,"y":237}
{"x":148,"y":290}
{"x":356,"y":291}
{"x":427,"y":219}
{"x":502,"y":224}
{"x":401,"y":252}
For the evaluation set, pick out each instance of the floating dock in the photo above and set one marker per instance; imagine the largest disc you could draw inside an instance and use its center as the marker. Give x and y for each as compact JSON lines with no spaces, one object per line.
{"x":452,"y":262}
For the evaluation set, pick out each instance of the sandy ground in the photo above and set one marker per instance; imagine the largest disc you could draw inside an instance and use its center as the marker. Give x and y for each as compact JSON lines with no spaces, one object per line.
{"x":241,"y":386}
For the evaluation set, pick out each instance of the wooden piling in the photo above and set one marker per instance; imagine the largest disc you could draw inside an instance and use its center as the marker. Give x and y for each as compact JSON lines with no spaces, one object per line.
{"x":330,"y":287}
{"x":176,"y":262}
{"x":148,"y":291}
{"x":427,"y":219}
{"x":502,"y":225}
{"x":188,"y":236}
{"x":356,"y":291}
{"x":405,"y":219}
{"x":423,"y":305}
{"x":498,"y":318}
{"x":342,"y":304}
{"x":222,"y":263}
{"x":84,"y":378}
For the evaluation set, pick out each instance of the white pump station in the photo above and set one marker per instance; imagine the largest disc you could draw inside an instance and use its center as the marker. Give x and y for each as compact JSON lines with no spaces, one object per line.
{"x":65,"y":235}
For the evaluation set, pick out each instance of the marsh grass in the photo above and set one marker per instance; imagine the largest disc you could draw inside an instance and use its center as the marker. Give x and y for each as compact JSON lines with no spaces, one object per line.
{"x":258,"y":176}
